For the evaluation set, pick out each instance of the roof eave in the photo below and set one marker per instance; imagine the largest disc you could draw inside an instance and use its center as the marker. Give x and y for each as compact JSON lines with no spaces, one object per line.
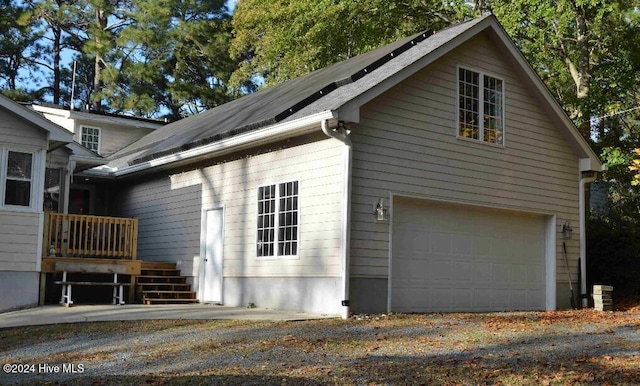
{"x":253,"y":138}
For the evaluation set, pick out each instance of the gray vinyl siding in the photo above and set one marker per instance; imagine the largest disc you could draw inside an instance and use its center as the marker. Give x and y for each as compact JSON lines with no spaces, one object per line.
{"x":19,"y":229}
{"x":170,"y":212}
{"x":25,"y":135}
{"x":19,"y":241}
{"x":406,"y":144}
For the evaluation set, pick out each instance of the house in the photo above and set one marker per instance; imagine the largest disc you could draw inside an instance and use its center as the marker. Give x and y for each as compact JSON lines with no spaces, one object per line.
{"x":33,"y":160}
{"x":100,"y":134}
{"x":433,"y":174}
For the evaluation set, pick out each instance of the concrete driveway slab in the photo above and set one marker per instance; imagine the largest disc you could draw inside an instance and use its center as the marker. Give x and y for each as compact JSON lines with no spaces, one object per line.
{"x":102,"y":313}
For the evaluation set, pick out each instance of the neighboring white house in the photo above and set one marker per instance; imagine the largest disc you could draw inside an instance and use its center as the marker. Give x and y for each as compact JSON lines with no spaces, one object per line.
{"x":101,"y":133}
{"x":33,"y":157}
{"x":433,"y":174}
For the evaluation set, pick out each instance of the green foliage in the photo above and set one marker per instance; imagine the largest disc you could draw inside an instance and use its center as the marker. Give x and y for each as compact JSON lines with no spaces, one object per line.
{"x":15,"y":41}
{"x":612,"y":255}
{"x":279,"y":40}
{"x":586,"y":51}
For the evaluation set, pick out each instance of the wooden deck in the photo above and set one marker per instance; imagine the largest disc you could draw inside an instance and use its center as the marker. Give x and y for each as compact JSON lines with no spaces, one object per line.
{"x":90,"y":241}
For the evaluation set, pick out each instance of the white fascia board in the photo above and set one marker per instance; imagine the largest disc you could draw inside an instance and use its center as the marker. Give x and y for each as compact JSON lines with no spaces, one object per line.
{"x":255,"y":137}
{"x":587,"y":151}
{"x":51,"y":110}
{"x":350,"y":111}
{"x":591,"y":165}
{"x":97,"y":118}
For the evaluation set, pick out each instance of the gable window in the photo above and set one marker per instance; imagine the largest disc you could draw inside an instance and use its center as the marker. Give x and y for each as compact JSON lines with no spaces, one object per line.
{"x":90,"y":138}
{"x":278,"y":220}
{"x":17,"y":177}
{"x":480,"y":107}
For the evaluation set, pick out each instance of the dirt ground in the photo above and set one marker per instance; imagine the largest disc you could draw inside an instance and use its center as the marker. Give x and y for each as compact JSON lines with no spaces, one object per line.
{"x":566,"y":347}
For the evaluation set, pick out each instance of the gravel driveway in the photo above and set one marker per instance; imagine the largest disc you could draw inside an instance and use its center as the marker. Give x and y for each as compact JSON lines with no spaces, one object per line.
{"x":584,"y":347}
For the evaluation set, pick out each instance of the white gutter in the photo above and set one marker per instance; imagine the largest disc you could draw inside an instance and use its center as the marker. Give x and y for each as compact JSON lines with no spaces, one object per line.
{"x":270,"y":133}
{"x":346,"y":210}
{"x":583,"y":237}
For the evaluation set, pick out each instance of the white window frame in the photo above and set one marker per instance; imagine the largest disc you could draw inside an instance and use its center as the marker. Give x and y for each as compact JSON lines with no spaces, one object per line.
{"x":276,"y":225}
{"x":82,"y":127}
{"x":481,"y":113}
{"x":37,"y":183}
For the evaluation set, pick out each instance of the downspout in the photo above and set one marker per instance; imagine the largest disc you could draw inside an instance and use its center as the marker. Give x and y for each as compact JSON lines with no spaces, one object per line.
{"x":343,"y":136}
{"x":583,"y":237}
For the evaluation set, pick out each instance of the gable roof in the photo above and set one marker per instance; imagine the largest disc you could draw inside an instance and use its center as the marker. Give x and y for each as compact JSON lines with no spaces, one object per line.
{"x":56,"y":135}
{"x":338,"y":90}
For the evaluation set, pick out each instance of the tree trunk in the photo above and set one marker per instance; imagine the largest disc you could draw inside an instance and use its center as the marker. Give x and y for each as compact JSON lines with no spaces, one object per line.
{"x":581,"y":72}
{"x":101,"y":21}
{"x":57,"y":43}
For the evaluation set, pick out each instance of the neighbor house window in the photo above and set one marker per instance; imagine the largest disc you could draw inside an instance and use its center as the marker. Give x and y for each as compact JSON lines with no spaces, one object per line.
{"x":90,"y":138}
{"x":278,"y":220}
{"x":16,"y":178}
{"x":480,"y":107}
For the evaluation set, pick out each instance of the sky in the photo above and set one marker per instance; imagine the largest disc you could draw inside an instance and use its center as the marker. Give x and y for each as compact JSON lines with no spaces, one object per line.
{"x":67,"y":56}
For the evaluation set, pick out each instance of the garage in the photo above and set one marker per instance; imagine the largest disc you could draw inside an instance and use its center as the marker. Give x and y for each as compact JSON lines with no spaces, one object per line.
{"x":448,"y":257}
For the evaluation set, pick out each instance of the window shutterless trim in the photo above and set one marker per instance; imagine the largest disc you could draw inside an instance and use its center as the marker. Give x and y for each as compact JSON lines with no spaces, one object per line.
{"x":35,"y":187}
{"x":278,"y":240}
{"x":482,"y":114}
{"x":99,"y":135}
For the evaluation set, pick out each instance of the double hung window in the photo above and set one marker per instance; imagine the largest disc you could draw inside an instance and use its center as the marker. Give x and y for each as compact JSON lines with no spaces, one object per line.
{"x":278,"y":220}
{"x":16,"y":178}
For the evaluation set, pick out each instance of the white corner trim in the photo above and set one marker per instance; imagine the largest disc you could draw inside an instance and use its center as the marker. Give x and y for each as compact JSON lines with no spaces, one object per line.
{"x":550,"y":263}
{"x":253,"y":137}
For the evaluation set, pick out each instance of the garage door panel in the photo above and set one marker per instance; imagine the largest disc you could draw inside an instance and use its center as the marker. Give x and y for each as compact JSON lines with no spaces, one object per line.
{"x":441,"y":242}
{"x":459,"y":258}
{"x":462,"y":271}
{"x":482,"y":273}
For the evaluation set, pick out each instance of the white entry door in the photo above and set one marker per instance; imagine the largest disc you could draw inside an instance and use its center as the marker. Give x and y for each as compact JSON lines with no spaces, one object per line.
{"x":212,"y":264}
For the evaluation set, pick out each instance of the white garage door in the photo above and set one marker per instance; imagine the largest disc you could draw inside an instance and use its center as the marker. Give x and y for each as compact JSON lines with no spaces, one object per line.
{"x":461,"y":258}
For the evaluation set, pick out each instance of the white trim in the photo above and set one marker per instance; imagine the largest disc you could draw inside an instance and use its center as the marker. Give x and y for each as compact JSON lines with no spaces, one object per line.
{"x":345,"y":226}
{"x":550,"y":262}
{"x":38,"y":163}
{"x":203,"y":250}
{"x":40,"y":241}
{"x":77,"y":115}
{"x":276,"y":213}
{"x":81,"y":132}
{"x":390,"y":252}
{"x":549,"y":248}
{"x":546,"y":94}
{"x":481,"y":76}
{"x":252,"y":138}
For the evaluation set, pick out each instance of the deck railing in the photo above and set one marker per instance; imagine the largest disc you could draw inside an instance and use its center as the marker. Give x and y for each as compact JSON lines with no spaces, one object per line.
{"x":73,"y":235}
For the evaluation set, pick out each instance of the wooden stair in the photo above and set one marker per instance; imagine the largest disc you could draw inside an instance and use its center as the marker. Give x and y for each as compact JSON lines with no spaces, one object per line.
{"x":161,"y":283}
